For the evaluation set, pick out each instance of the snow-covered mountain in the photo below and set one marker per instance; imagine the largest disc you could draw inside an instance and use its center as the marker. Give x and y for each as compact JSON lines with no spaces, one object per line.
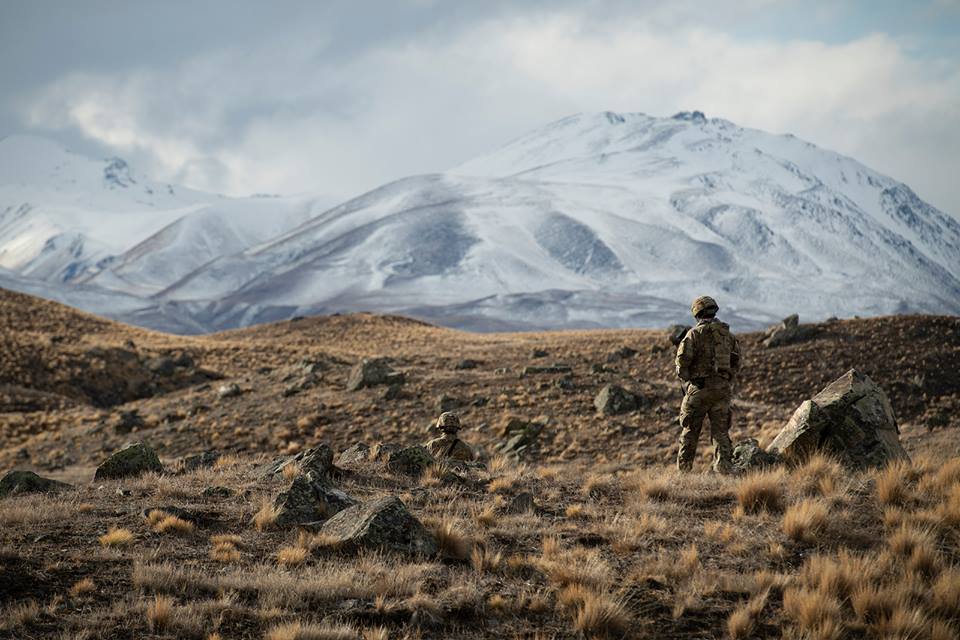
{"x":69,"y":219}
{"x":598,"y":219}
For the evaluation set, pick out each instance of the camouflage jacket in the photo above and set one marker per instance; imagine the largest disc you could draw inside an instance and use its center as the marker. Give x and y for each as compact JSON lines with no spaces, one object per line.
{"x":708,"y":351}
{"x":447,"y":446}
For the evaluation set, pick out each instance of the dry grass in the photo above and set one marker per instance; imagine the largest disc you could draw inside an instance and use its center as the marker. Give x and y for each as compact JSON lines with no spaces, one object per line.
{"x":291,"y":556}
{"x":266,"y":516}
{"x":819,"y":475}
{"x":19,"y":615}
{"x":173,"y":525}
{"x":453,"y":543}
{"x":596,"y":614}
{"x":117,"y":538}
{"x":160,"y":613}
{"x":892,"y":484}
{"x":82,"y":587}
{"x":483,"y":559}
{"x":743,"y":620}
{"x":805,"y":520}
{"x":225,"y":552}
{"x":301,"y":631}
{"x":761,"y":491}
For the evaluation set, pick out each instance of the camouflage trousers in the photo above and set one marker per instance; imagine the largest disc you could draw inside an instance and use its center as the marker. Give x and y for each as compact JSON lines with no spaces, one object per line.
{"x":712,"y":401}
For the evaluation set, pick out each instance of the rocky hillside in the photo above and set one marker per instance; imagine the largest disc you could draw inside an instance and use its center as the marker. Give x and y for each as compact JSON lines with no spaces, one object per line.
{"x":71,"y":382}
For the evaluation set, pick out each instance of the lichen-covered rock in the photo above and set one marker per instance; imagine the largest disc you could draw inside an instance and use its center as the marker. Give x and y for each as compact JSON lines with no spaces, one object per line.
{"x":382,"y":524}
{"x":373,"y":372}
{"x":199,"y":461}
{"x":851,"y":418}
{"x":614,"y":400}
{"x":411,"y":460}
{"x":16,"y":482}
{"x":230,"y":390}
{"x":354,"y":454}
{"x":749,"y":456}
{"x":309,"y":499}
{"x":133,"y":460}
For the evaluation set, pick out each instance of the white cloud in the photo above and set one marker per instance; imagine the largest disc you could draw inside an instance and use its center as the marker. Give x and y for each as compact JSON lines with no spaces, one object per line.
{"x":281,"y":116}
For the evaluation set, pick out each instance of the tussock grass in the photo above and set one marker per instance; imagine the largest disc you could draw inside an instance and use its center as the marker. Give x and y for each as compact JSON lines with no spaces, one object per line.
{"x":309,"y":631}
{"x":743,"y":620}
{"x":453,"y":543}
{"x":291,"y":556}
{"x":805,"y":520}
{"x":596,"y":614}
{"x":224,"y":552}
{"x":266,"y":516}
{"x":82,"y":587}
{"x":160,"y":613}
{"x":173,"y":525}
{"x":892,"y":484}
{"x":761,"y":491}
{"x":117,"y":538}
{"x":18,"y":615}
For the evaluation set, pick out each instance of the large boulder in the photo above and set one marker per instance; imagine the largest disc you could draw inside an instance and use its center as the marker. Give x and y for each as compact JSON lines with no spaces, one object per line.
{"x":17,"y":482}
{"x":614,"y":400}
{"x":382,"y":524}
{"x":520,"y":435}
{"x":133,"y":460}
{"x":786,"y":332}
{"x":310,"y":499}
{"x":851,"y":418}
{"x":371,"y":373}
{"x":354,"y":454}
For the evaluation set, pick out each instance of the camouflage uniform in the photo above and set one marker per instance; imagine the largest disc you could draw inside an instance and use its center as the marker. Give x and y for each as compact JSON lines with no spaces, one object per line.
{"x":448,"y":445}
{"x":708,"y":359}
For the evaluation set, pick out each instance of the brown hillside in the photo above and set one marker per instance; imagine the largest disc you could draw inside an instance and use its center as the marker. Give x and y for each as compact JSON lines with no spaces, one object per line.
{"x":67,"y":377}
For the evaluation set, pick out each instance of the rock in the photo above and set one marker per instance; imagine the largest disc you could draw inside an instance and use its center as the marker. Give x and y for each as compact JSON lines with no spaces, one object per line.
{"x":317,"y":460}
{"x":788,"y":331}
{"x":519,"y":435}
{"x":521,"y":503}
{"x":309,"y":499}
{"x":851,"y":418}
{"x":748,"y":456}
{"x":555,"y":368}
{"x":676,"y":332}
{"x":359,"y":452}
{"x":133,"y":460}
{"x":217,"y":492}
{"x":230,"y":390}
{"x":382,"y":524}
{"x":448,"y":403}
{"x":411,"y":460}
{"x":371,"y":373}
{"x":127,"y":421}
{"x":161,"y":366}
{"x":182,"y":359}
{"x":199,"y":461}
{"x":393,"y":392}
{"x":614,"y":400}
{"x":539,"y":353}
{"x":466,"y":363}
{"x":307,"y":381}
{"x":16,"y":482}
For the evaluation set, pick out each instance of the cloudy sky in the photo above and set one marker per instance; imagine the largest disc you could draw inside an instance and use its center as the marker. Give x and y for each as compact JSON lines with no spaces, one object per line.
{"x":337,"y":97}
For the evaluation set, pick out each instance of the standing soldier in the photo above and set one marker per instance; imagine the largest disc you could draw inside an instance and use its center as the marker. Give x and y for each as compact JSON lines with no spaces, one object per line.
{"x":708,"y":359}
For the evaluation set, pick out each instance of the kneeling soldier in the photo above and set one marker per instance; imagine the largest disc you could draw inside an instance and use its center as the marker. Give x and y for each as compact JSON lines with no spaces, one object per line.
{"x":448,"y":445}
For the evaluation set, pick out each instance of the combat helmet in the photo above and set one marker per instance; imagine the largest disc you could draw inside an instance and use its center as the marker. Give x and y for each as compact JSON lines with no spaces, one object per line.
{"x":703,"y":303}
{"x":448,"y":422}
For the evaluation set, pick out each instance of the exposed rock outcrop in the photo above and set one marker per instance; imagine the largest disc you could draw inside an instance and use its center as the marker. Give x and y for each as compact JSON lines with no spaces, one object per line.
{"x":310,"y":499}
{"x":133,"y":460}
{"x":788,"y":331}
{"x":382,"y":524}
{"x":748,"y":456}
{"x":851,"y":418}
{"x":373,"y":372}
{"x":614,"y":400}
{"x":16,"y":482}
